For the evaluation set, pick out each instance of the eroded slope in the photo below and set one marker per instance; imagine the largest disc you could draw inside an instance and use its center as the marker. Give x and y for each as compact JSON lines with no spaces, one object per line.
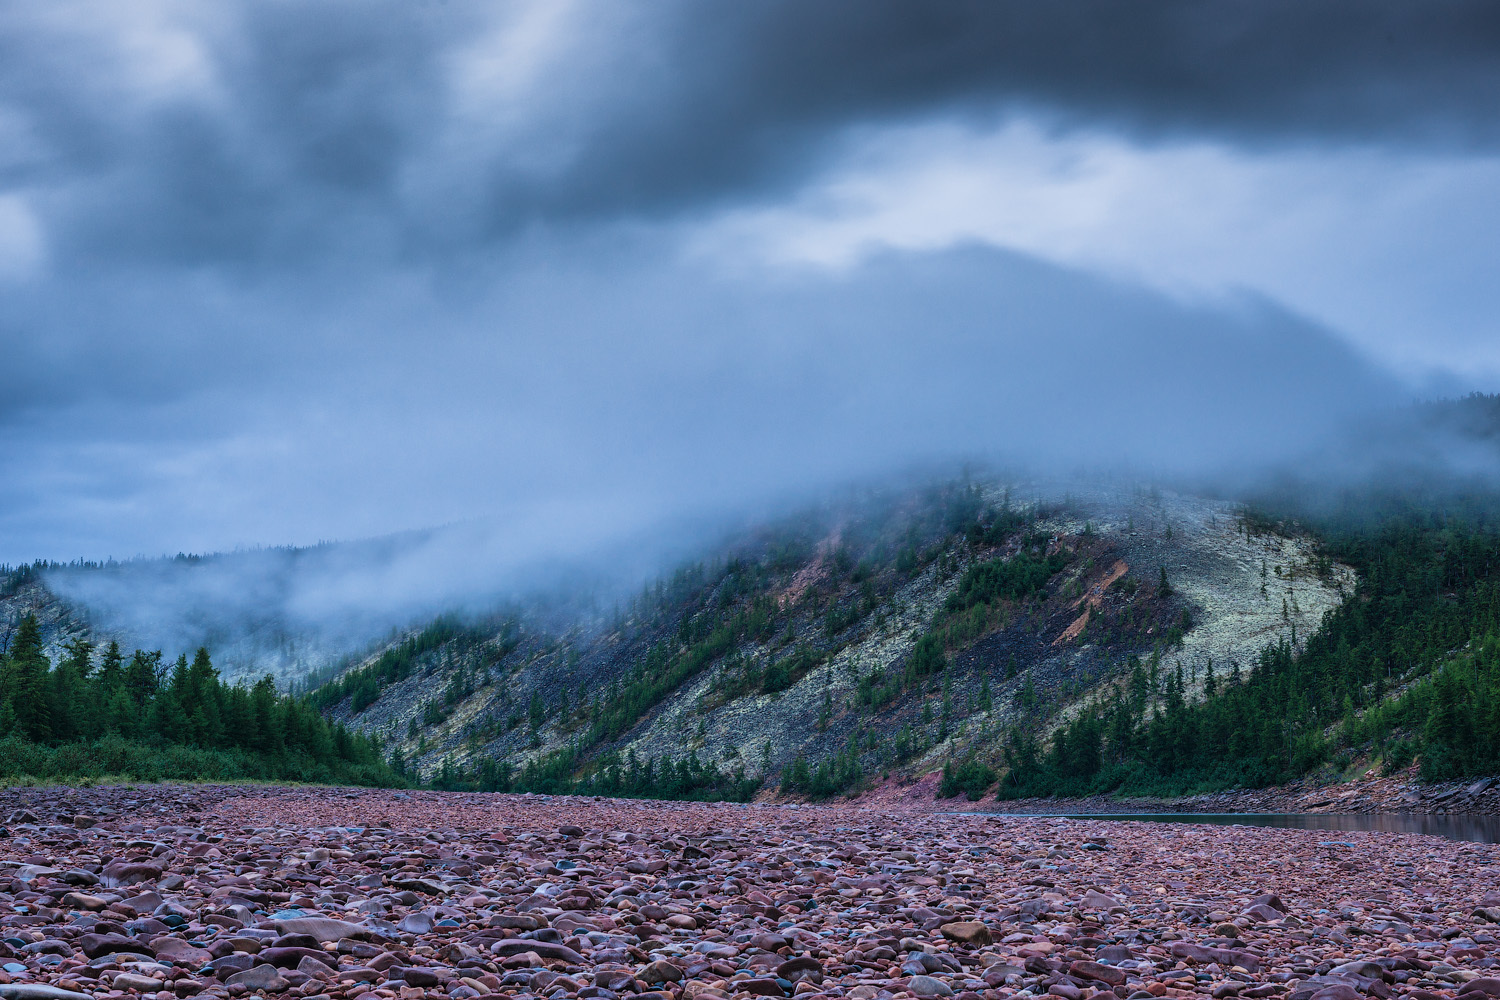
{"x":888,"y":636}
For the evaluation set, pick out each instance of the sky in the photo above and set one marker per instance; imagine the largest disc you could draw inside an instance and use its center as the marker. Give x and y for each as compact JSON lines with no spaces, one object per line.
{"x":281,"y":271}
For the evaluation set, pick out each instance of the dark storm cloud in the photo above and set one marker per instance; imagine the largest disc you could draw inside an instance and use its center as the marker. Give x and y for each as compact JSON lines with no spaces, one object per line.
{"x":319,"y":133}
{"x":757,"y":88}
{"x":304,"y":116}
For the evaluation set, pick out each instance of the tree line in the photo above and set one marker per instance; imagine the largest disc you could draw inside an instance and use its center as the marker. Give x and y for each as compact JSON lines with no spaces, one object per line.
{"x":144,"y":717}
{"x":627,"y":775}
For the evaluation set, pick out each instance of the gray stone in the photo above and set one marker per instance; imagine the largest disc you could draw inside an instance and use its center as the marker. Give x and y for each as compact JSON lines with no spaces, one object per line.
{"x":322,"y":928}
{"x":38,"y":991}
{"x":660,"y":972}
{"x":261,"y":977}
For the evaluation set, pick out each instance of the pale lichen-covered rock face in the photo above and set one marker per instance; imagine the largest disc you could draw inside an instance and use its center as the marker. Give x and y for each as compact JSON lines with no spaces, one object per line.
{"x":1216,"y":566}
{"x":337,"y":893}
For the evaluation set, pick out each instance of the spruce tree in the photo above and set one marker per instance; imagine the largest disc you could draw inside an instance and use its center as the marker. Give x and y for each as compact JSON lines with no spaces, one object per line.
{"x":80,"y":658}
{"x":70,"y":692}
{"x":202,"y":700}
{"x":140,"y":676}
{"x":111,"y":669}
{"x":26,"y":682}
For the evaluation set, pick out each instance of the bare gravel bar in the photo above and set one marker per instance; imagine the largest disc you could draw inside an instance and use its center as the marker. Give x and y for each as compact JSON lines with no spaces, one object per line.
{"x":204,"y":891}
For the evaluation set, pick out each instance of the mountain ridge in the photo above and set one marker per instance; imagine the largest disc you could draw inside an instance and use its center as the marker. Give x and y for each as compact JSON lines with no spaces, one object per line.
{"x":834,"y":668}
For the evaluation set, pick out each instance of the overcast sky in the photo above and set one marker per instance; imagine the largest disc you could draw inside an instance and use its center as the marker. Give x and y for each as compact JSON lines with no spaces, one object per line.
{"x":278,"y":271}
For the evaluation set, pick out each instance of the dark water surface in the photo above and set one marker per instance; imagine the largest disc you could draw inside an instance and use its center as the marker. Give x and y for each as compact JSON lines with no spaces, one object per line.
{"x":1479,"y":829}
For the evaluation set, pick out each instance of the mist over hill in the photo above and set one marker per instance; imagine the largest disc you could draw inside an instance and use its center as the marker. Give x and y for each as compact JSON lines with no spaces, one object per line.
{"x":294,"y":612}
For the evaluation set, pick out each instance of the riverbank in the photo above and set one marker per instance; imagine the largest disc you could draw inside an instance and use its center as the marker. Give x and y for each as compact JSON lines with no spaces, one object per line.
{"x":1395,"y":795}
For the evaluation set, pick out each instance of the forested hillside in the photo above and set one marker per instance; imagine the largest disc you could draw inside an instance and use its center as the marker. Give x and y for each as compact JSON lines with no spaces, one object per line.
{"x":964,"y":630}
{"x":1405,"y":672}
{"x":890,"y":636}
{"x":1082,"y":641}
{"x":1408,"y":669}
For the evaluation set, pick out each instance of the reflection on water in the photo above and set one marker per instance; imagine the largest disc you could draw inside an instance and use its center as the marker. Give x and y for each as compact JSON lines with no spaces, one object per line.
{"x":1480,"y":829}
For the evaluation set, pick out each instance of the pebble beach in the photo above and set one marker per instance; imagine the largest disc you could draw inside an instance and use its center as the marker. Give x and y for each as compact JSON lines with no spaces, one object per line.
{"x":215,"y":892}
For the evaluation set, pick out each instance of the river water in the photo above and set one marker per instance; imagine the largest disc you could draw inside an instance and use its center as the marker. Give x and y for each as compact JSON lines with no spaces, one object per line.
{"x":1479,"y":829}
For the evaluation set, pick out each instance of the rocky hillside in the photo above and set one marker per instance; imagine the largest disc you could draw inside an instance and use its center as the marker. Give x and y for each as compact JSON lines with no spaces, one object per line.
{"x":890,"y":634}
{"x":287,"y":612}
{"x":23,"y":592}
{"x":245,"y":647}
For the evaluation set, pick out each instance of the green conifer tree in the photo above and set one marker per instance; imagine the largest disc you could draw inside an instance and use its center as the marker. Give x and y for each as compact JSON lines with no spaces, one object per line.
{"x":70,"y":691}
{"x":26,"y":682}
